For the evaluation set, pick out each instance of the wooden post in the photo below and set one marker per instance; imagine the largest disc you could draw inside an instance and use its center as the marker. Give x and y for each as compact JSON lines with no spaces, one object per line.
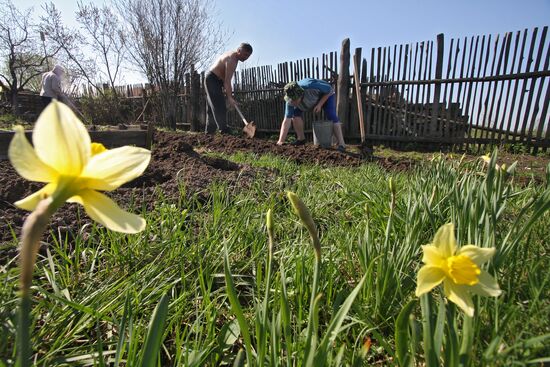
{"x":342,"y":98}
{"x":357,"y":82}
{"x":150,"y":135}
{"x":363,"y":91}
{"x":194,"y":99}
{"x":437,"y":90}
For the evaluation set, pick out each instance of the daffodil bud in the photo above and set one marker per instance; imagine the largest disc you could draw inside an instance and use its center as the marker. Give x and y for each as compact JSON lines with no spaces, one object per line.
{"x":391,"y":186}
{"x":269,"y":226}
{"x":269,"y":221}
{"x":305,"y":216}
{"x":510,"y":170}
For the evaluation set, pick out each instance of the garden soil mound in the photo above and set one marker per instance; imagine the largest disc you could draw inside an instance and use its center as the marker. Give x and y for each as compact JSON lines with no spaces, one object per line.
{"x":178,"y":160}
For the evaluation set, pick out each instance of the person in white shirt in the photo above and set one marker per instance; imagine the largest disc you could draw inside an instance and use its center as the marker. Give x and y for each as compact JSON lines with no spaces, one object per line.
{"x":51,"y":85}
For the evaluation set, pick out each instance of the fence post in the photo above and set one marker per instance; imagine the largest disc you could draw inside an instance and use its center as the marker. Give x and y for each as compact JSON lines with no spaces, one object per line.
{"x":438,"y":76}
{"x":194,"y":99}
{"x":342,"y":98}
{"x":357,"y":82}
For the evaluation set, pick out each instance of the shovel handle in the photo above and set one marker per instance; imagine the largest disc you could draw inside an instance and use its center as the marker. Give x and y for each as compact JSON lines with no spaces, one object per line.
{"x":70,"y":103}
{"x":241,"y":114}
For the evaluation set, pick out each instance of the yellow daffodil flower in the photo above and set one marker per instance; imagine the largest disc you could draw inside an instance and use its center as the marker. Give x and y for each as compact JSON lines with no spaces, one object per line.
{"x":486,"y":158}
{"x":75,"y":169}
{"x":458,"y":269}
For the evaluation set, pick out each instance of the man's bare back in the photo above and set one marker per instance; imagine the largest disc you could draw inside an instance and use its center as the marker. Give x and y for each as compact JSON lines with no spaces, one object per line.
{"x":225,"y":61}
{"x":225,"y":67}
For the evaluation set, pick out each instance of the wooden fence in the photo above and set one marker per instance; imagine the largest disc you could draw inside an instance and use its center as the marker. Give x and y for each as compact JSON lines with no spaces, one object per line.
{"x":467,"y":93}
{"x":475,"y":93}
{"x":480,"y":91}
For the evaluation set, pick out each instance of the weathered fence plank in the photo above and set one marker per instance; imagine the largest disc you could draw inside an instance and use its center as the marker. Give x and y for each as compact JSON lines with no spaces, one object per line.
{"x":342,"y":97}
{"x":357,"y":78}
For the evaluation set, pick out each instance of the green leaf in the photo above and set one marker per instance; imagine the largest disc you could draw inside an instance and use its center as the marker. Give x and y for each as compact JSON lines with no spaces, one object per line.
{"x":236,"y":307}
{"x":122,"y":330}
{"x":239,"y":359}
{"x":404,"y":355}
{"x":439,"y":328}
{"x":101,"y":358}
{"x":229,"y":334}
{"x":336,"y":322}
{"x":428,"y":330}
{"x":155,"y":333}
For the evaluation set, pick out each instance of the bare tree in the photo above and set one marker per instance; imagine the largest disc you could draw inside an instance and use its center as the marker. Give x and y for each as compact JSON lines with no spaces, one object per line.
{"x":166,"y":37}
{"x":29,"y":69}
{"x":105,"y":36}
{"x":20,"y":49}
{"x":71,"y":43}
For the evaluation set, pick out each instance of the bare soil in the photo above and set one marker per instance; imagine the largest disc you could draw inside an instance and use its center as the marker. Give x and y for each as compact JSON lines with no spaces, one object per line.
{"x":179,"y":158}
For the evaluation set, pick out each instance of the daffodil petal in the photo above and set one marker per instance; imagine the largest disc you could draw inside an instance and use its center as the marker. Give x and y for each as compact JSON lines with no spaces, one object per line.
{"x":478,"y":255}
{"x":25,"y":161}
{"x":431,"y":255}
{"x":61,"y":141}
{"x":30,"y":202}
{"x":112,"y":168}
{"x":105,"y":211}
{"x":487,"y":286}
{"x":444,"y":239}
{"x":458,"y":294}
{"x":428,"y":278}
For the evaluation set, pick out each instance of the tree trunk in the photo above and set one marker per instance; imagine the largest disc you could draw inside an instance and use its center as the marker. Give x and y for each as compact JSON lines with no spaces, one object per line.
{"x":14,"y":101}
{"x":169,"y":105}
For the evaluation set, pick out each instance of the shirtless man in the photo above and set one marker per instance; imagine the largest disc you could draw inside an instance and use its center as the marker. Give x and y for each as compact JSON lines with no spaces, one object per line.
{"x":216,"y":81}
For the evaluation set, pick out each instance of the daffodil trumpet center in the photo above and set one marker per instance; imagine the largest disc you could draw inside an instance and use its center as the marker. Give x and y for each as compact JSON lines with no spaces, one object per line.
{"x":462,"y":270}
{"x":97,"y":148}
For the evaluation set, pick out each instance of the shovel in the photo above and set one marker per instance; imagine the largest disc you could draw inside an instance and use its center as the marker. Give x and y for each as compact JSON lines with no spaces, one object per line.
{"x":70,"y":103}
{"x":249,"y":127}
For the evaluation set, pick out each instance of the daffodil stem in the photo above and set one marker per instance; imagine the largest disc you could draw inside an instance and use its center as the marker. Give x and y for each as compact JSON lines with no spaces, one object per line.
{"x":32,"y":231}
{"x":261,"y":333}
{"x":451,"y":348}
{"x":428,"y":331}
{"x":23,"y":337}
{"x":311,"y":327}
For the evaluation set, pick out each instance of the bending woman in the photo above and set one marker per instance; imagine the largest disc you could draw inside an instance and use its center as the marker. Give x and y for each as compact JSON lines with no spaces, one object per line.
{"x":309,"y":95}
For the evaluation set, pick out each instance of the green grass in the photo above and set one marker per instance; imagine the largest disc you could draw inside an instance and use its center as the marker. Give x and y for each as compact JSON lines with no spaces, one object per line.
{"x":8,"y":120}
{"x":93,"y":298}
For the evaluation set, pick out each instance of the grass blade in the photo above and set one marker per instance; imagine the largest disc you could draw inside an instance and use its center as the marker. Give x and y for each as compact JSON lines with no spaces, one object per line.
{"x":155,"y":333}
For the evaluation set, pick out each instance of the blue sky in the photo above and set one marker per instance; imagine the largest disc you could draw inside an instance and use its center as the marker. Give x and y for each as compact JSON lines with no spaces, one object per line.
{"x":291,"y":29}
{"x":287,"y":30}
